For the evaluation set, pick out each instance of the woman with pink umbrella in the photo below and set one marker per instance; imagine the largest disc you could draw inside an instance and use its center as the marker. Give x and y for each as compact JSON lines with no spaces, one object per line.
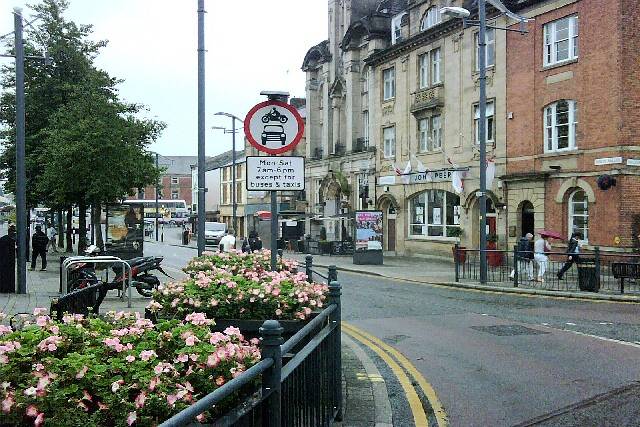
{"x":540,"y":249}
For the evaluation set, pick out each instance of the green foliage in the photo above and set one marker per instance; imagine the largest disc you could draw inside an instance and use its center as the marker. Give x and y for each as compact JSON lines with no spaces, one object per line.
{"x":83,"y":144}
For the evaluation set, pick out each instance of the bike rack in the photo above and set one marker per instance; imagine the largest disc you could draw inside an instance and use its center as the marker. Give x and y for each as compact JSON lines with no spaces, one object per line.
{"x":105,"y":259}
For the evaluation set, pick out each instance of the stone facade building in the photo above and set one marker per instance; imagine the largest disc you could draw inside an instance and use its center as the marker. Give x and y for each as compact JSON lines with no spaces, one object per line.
{"x":573,"y":91}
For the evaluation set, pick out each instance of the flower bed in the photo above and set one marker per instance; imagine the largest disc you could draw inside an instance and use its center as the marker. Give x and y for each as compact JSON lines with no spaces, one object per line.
{"x":120,"y":370}
{"x":240,"y":286}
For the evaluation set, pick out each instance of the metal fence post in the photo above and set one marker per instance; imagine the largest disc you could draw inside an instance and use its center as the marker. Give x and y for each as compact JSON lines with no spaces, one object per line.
{"x":308,"y":265}
{"x":280,"y":252}
{"x":456,"y":255}
{"x":332,"y":274}
{"x":515,"y":266}
{"x":271,"y":334}
{"x":335,"y":290}
{"x":596,"y":252}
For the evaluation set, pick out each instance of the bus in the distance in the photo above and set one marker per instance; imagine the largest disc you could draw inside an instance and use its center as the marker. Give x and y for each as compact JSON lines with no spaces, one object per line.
{"x":173,"y":212}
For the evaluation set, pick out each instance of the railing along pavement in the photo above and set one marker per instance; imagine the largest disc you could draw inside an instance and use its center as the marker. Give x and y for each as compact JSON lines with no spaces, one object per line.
{"x":298,"y":387}
{"x":594,"y":271}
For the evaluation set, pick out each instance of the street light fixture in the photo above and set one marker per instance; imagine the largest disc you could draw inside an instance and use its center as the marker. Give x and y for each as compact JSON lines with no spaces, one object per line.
{"x":462,"y":13}
{"x":233,"y":132}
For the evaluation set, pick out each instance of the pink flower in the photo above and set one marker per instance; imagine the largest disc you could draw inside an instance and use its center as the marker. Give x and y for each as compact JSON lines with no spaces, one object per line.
{"x":201,"y":418}
{"x":87,"y":396}
{"x":39,"y":420}
{"x":130,"y":358}
{"x":220,"y":381}
{"x":140,"y":400}
{"x":172,"y":399}
{"x":278,"y":312}
{"x":7,"y":403}
{"x":153,"y":383}
{"x":42,"y":321}
{"x":5,"y":330}
{"x":83,"y":406}
{"x":39,"y":311}
{"x":216,"y":337}
{"x":213,"y":360}
{"x":32,"y":411}
{"x":38,"y":367}
{"x":82,"y":371}
{"x":147,"y":354}
{"x":131,"y":418}
{"x":191,"y":340}
{"x":182,"y":358}
{"x":31,"y":391}
{"x":116,"y":385}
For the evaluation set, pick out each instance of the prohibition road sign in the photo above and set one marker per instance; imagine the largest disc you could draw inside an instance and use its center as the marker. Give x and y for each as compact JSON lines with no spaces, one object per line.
{"x":273,"y":127}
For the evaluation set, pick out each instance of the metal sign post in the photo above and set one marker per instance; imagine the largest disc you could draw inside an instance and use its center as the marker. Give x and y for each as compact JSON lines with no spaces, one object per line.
{"x":274,"y":127}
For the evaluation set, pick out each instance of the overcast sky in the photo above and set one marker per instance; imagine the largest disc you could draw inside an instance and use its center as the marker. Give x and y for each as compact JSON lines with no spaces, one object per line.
{"x":252,"y":45}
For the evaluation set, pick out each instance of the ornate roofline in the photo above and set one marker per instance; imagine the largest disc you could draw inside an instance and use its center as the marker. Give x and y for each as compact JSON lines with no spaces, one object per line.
{"x":320,"y":51}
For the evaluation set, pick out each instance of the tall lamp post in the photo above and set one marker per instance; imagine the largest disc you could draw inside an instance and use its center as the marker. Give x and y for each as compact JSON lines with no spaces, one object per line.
{"x":201,"y":129}
{"x":157,"y":191}
{"x":462,"y":13}
{"x":21,"y":176}
{"x":233,"y":131}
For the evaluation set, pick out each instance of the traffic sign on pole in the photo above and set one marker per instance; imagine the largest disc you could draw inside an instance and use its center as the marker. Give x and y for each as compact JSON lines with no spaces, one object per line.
{"x":275,"y":173}
{"x":273,"y":127}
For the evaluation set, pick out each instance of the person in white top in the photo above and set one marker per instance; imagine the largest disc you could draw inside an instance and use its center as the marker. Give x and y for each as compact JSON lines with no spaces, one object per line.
{"x":51,"y":234}
{"x":228,"y":242}
{"x":539,"y":248}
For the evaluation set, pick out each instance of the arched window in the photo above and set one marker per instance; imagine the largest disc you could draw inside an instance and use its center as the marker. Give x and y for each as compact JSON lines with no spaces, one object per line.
{"x":579,"y":214}
{"x":560,"y":123}
{"x":434,"y":213}
{"x":431,"y":18}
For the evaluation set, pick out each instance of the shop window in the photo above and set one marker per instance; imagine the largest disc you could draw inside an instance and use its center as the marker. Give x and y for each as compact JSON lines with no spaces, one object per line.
{"x":434,"y":213}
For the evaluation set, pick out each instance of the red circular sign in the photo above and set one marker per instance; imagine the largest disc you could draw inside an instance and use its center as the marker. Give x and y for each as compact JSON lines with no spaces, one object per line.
{"x":273,"y":127}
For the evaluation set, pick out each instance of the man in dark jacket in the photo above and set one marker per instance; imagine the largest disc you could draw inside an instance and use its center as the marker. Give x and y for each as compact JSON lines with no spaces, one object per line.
{"x":573,"y":250}
{"x":525,"y":256}
{"x":39,"y":242}
{"x":8,"y":261}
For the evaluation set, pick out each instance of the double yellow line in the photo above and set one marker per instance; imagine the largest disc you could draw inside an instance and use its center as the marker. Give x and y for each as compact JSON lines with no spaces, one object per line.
{"x":403,"y":369}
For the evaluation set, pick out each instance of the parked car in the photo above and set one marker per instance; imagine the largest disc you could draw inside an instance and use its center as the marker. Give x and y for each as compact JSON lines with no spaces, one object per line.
{"x":213,"y":232}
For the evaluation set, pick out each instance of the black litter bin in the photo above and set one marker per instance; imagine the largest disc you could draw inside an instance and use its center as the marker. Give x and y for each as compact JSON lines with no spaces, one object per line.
{"x":588,"y":280}
{"x":185,"y":237}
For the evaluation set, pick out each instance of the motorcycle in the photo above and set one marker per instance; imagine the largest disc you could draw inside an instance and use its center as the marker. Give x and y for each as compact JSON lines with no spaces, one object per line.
{"x":274,"y":116}
{"x":84,"y":274}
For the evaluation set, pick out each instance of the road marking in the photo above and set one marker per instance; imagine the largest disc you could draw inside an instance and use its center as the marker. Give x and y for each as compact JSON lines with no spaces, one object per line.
{"x":419,"y":417}
{"x":545,"y":324}
{"x":571,"y":324}
{"x":635,"y":344}
{"x":381,"y":348}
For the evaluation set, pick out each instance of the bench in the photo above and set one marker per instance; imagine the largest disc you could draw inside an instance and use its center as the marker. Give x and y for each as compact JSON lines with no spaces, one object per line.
{"x":625,"y":270}
{"x":83,"y":301}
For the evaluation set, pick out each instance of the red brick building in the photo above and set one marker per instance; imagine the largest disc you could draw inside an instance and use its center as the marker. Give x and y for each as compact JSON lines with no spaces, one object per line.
{"x":573,"y":120}
{"x":175,"y":182}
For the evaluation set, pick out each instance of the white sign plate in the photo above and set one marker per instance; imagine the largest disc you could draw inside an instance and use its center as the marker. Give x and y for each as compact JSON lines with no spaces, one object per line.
{"x":633,"y":162}
{"x":273,"y":127}
{"x":608,"y":161}
{"x":275,"y":173}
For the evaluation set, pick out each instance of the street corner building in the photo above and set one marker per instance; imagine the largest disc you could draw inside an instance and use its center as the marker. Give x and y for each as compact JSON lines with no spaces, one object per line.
{"x":393,"y":115}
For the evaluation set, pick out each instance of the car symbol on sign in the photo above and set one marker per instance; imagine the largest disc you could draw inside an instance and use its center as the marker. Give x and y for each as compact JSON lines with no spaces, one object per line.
{"x":273,"y":133}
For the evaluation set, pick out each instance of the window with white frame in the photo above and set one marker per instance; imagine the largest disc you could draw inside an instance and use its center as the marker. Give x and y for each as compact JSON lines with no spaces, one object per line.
{"x":174,"y":194}
{"x":490,"y":129}
{"x":389,"y":138}
{"x":560,"y":124}
{"x":396,"y":28}
{"x":435,"y":66}
{"x":389,"y":83}
{"x":423,"y":67}
{"x":434,"y":213}
{"x":490,"y":49}
{"x":436,"y":132}
{"x":430,"y":19}
{"x":365,"y":128}
{"x":579,"y":214}
{"x":430,"y":134}
{"x":561,"y":40}
{"x":174,"y":179}
{"x":423,"y":135}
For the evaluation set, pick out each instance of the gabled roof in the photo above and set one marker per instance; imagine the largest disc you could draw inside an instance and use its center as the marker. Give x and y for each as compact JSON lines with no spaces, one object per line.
{"x":220,"y":160}
{"x":177,"y":165}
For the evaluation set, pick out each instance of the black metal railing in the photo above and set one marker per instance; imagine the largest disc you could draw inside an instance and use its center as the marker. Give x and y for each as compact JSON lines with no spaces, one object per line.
{"x":594,"y":270}
{"x":298,"y":386}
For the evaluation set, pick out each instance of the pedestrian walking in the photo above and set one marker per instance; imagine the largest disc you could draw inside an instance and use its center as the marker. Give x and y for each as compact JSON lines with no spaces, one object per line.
{"x":245,"y":245}
{"x":524,"y":256}
{"x":39,"y":242}
{"x":8,"y":261}
{"x":254,"y":241}
{"x":228,"y":242}
{"x":573,"y":250}
{"x":51,"y":234}
{"x":540,"y":248}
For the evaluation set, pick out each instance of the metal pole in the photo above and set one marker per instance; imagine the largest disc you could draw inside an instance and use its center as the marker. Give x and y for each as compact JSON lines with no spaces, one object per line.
{"x":201,"y":134}
{"x":233,"y":174}
{"x":274,"y":229}
{"x":482,"y":131}
{"x":21,"y":177}
{"x":157,"y":190}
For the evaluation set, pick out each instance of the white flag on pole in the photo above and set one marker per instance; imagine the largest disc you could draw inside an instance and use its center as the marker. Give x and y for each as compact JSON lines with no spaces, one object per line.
{"x":490,"y":174}
{"x":406,"y":174}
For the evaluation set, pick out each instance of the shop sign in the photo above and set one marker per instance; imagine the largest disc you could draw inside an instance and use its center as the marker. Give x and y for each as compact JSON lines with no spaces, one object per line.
{"x":633,"y":162}
{"x":428,"y":176}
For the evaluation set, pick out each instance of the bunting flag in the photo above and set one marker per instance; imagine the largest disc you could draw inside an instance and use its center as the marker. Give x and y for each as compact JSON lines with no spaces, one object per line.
{"x":490,"y":174}
{"x":406,"y":174}
{"x":456,"y":179}
{"x":421,"y":168}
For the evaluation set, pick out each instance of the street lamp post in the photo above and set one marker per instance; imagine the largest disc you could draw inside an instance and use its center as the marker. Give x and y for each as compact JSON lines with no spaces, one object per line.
{"x":201,"y":131}
{"x":157,"y":190}
{"x":459,"y":12}
{"x":233,"y":131}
